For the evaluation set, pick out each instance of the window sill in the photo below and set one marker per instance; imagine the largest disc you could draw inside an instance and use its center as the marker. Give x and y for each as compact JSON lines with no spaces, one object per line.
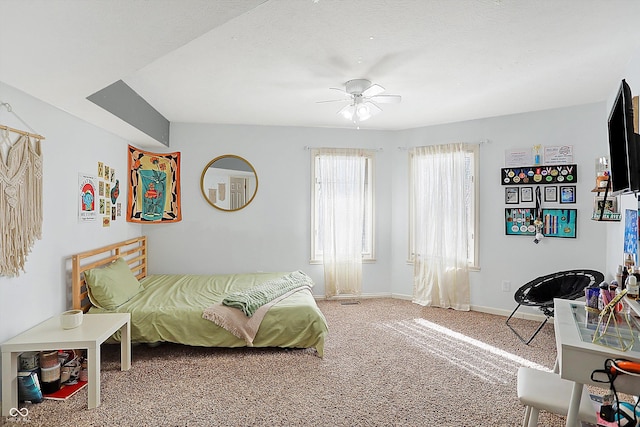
{"x":471,"y":267}
{"x":364,"y":261}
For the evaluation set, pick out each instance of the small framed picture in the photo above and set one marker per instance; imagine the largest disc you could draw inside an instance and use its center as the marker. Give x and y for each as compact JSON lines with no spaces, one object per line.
{"x":526,"y":194}
{"x":551,"y":193}
{"x":567,"y":194}
{"x":511,"y":195}
{"x":609,"y":206}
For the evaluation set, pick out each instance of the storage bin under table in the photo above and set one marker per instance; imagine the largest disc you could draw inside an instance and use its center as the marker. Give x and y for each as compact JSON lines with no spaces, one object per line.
{"x":49,"y":335}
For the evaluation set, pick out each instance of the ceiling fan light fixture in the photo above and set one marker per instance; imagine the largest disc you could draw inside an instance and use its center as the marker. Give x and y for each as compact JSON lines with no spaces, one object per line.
{"x":363,"y":112}
{"x":362,"y":94}
{"x":348,"y":112}
{"x":357,"y":86}
{"x":373,"y":108}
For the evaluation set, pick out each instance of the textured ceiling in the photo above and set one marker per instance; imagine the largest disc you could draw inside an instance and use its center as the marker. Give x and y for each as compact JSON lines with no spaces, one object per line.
{"x":269,"y":62}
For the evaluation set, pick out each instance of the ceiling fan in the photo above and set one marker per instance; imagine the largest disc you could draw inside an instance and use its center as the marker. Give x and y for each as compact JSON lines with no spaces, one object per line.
{"x":363,"y":97}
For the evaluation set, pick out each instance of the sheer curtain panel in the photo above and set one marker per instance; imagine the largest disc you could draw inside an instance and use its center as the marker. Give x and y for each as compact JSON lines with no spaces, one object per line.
{"x":341,"y":178}
{"x":441,"y":272}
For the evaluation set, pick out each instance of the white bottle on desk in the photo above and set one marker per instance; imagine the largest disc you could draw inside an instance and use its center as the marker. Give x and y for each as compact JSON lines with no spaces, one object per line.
{"x":621,"y":284}
{"x":632,"y":287}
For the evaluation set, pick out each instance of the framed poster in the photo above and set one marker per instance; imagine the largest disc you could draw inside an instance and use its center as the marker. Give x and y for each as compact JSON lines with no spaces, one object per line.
{"x":154,"y":186}
{"x":559,"y":222}
{"x":567,"y":194}
{"x":526,"y":194}
{"x":87,"y":198}
{"x":551,"y":193}
{"x":511,"y":195}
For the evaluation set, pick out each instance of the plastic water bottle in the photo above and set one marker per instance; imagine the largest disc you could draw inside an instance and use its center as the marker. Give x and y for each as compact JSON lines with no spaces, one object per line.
{"x":632,"y":287}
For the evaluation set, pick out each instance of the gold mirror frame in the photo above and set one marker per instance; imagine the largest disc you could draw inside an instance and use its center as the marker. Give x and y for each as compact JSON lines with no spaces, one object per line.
{"x":220,"y":189}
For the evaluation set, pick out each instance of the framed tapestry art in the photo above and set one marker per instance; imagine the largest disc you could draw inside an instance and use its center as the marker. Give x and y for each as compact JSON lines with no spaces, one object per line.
{"x":154,"y":186}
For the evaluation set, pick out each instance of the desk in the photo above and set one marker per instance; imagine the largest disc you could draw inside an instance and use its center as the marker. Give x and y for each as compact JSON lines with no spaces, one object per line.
{"x":578,"y":358}
{"x":49,"y":335}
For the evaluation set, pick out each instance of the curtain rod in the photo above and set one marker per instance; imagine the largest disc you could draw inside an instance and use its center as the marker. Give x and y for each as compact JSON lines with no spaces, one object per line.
{"x":481,"y":142}
{"x":21,"y":132}
{"x":33,"y":133}
{"x":308,"y":147}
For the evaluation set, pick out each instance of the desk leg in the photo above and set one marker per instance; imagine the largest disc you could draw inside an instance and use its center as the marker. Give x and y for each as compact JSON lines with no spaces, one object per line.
{"x":574,"y":405}
{"x":93,"y":360}
{"x":9,"y":382}
{"x":125,"y":347}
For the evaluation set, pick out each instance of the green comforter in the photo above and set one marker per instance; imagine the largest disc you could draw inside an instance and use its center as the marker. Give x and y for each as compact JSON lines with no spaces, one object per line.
{"x":170,"y":309}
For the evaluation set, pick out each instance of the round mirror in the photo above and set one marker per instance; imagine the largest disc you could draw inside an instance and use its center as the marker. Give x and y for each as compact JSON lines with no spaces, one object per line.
{"x":229,"y":182}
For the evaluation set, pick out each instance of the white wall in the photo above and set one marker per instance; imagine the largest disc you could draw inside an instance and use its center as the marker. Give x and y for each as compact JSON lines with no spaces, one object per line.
{"x":71,"y":146}
{"x":513,"y":258}
{"x":272,"y":233}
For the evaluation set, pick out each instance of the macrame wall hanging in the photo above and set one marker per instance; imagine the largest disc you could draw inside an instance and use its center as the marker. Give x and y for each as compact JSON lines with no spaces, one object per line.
{"x":20,"y":195}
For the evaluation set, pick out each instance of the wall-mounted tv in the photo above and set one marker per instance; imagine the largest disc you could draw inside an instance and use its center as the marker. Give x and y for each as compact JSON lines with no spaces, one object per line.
{"x":624,"y":149}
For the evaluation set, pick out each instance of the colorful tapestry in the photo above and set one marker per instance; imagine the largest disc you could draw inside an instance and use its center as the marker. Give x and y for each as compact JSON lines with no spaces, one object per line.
{"x":154,"y":187}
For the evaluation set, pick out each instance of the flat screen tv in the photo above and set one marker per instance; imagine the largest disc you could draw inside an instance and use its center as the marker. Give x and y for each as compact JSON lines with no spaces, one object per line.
{"x":624,"y":152}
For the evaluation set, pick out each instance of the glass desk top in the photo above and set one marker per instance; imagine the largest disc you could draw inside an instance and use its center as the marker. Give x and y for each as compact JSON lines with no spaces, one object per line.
{"x":620,"y":332}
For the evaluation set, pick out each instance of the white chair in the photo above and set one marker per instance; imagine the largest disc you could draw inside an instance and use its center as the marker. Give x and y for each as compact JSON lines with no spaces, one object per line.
{"x":539,"y":390}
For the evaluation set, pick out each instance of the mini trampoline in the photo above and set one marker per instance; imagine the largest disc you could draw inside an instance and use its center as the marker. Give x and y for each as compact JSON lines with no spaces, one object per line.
{"x":541,"y":291}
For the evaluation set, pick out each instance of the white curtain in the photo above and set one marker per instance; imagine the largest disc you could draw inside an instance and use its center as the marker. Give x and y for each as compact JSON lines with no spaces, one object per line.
{"x":341,"y":177}
{"x":441,"y":275}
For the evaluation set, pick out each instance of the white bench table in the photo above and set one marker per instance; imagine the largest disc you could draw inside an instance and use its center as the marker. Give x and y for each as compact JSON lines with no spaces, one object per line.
{"x":49,"y":335}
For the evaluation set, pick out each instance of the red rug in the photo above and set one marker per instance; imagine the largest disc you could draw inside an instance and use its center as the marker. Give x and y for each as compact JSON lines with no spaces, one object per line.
{"x":66,"y":391}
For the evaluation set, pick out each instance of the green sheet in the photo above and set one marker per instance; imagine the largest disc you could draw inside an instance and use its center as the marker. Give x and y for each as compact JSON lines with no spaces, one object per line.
{"x":170,"y":309}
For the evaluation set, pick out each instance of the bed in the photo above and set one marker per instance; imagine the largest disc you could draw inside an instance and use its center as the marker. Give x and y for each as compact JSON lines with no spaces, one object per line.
{"x":170,"y":307}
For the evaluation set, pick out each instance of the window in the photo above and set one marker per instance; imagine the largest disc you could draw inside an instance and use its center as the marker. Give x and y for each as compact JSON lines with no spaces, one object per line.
{"x":471,"y":202}
{"x":338,"y":158}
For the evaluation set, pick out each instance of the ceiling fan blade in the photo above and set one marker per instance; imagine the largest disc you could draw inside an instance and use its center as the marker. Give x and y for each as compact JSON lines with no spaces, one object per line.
{"x":373,"y":90}
{"x":332,"y":100}
{"x":387,"y":99}
{"x":342,"y":91}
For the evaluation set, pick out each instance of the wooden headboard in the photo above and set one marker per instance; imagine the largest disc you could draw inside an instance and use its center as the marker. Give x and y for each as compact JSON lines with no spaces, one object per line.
{"x":134,"y":251}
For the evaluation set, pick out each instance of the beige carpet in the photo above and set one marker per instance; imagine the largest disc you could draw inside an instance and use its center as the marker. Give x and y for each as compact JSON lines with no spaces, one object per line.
{"x":387,"y":363}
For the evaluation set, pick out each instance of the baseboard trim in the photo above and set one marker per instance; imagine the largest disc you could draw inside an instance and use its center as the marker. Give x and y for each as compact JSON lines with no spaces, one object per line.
{"x":506,"y":313}
{"x":479,"y":308}
{"x":351,"y":297}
